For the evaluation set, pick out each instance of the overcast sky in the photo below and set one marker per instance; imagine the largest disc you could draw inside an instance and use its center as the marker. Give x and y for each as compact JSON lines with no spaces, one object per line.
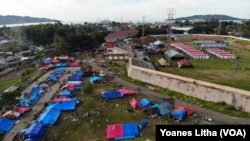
{"x":122,"y":10}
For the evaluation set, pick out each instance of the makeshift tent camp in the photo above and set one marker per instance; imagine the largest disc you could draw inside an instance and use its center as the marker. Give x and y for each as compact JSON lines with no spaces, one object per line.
{"x":145,"y":103}
{"x":95,"y":79}
{"x":5,"y":125}
{"x":179,"y":114}
{"x":50,"y":116}
{"x":111,"y":94}
{"x":122,"y":131}
{"x":134,"y":103}
{"x":35,"y":131}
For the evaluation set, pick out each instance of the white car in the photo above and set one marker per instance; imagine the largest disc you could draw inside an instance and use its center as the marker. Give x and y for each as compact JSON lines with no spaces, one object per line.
{"x":101,"y":73}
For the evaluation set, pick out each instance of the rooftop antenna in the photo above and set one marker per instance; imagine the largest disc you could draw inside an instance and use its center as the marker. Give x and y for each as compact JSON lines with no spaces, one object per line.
{"x":170,"y":13}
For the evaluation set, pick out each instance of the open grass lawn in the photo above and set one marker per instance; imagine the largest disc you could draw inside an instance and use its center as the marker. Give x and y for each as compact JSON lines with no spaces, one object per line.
{"x":229,"y":72}
{"x":93,"y":114}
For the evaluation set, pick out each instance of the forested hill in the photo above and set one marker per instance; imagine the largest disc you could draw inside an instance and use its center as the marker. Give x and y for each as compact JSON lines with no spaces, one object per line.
{"x":208,"y":17}
{"x":11,"y":19}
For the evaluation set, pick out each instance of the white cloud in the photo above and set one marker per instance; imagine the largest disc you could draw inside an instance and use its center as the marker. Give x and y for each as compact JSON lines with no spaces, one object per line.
{"x":126,"y":10}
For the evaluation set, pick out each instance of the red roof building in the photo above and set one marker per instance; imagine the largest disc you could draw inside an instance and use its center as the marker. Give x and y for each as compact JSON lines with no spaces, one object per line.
{"x":121,"y":35}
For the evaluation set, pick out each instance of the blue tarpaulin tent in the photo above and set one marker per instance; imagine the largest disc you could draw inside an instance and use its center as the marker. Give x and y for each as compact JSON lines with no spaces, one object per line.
{"x":145,"y":103}
{"x":5,"y":125}
{"x":95,"y":79}
{"x":163,"y":108}
{"x":179,"y":114}
{"x":50,"y":116}
{"x":111,"y":94}
{"x":59,"y":71}
{"x":61,"y":65}
{"x":68,"y":93}
{"x":53,"y":78}
{"x":24,"y":102}
{"x":64,"y":105}
{"x":122,"y":131}
{"x":78,"y":73}
{"x":75,"y":78}
{"x":47,"y":60}
{"x":35,"y":132}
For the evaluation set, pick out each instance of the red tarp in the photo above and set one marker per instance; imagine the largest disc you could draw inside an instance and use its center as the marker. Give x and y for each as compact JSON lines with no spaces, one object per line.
{"x":22,"y":109}
{"x":190,"y":111}
{"x":69,"y":86}
{"x":47,"y":67}
{"x":127,"y":91}
{"x":75,"y":64}
{"x":61,"y":99}
{"x":114,"y":131}
{"x":134,"y":103}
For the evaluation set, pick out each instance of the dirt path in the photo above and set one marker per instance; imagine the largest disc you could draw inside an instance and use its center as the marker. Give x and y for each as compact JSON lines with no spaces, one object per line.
{"x":37,"y":108}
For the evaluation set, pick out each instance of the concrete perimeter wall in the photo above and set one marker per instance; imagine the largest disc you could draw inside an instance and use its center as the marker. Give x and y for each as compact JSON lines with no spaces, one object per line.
{"x":238,"y":98}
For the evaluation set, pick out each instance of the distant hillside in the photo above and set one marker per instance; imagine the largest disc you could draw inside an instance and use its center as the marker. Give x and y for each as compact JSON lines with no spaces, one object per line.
{"x":11,"y":19}
{"x":208,"y":17}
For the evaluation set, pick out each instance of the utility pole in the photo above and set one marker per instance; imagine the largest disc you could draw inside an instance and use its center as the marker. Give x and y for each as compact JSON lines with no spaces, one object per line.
{"x":170,"y":13}
{"x":143,"y":20}
{"x":219,"y":28}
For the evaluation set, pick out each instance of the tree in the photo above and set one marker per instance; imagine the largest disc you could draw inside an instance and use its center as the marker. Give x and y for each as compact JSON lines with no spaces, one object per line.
{"x":59,"y":45}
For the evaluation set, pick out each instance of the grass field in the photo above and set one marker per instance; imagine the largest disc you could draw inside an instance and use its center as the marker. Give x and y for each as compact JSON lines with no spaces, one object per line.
{"x":229,"y":72}
{"x":76,"y":126}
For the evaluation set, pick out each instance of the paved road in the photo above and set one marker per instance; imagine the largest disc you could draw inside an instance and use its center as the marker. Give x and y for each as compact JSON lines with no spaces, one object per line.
{"x":217,"y":118}
{"x":38,"y":107}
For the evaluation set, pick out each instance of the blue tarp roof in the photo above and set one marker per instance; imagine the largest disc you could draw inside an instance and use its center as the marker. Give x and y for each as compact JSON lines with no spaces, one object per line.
{"x":111,"y":94}
{"x":66,"y":93}
{"x":65,"y":105}
{"x":163,"y":108}
{"x":95,"y":79}
{"x":75,"y":78}
{"x":47,"y":61}
{"x":36,"y":90}
{"x":179,"y":114}
{"x":24,"y":102}
{"x":35,"y":131}
{"x":50,"y":116}
{"x":5,"y":125}
{"x":130,"y":130}
{"x":78,"y":73}
{"x":145,"y":102}
{"x":59,"y":71}
{"x":53,"y":78}
{"x":61,"y":65}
